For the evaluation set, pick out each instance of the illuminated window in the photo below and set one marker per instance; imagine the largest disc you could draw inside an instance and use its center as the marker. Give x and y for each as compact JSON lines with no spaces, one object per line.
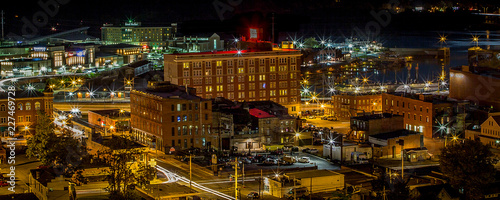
{"x":272,"y":68}
{"x":219,"y":63}
{"x":230,"y":79}
{"x":220,"y":88}
{"x":251,"y":78}
{"x":272,"y":93}
{"x":241,"y":70}
{"x":262,"y":77}
{"x":208,"y":89}
{"x":20,"y":106}
{"x":241,"y":86}
{"x":186,"y":65}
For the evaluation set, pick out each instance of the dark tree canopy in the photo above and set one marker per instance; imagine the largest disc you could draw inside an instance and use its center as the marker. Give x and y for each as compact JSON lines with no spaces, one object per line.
{"x":469,"y":166}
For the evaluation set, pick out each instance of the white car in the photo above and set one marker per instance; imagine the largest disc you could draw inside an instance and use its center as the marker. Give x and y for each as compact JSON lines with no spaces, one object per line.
{"x":313,"y":150}
{"x":304,"y":160}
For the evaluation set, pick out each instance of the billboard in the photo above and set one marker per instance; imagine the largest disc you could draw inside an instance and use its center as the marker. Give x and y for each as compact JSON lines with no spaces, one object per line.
{"x":253,"y":33}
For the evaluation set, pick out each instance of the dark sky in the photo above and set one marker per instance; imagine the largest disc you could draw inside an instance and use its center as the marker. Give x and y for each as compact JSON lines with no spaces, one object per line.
{"x":290,"y":15}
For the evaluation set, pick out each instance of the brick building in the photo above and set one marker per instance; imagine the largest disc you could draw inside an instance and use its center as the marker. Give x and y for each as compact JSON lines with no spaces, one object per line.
{"x":27,"y":105}
{"x":240,"y":75}
{"x":364,"y":126}
{"x":165,"y":115}
{"x":114,"y":120}
{"x":345,"y":106}
{"x":386,"y":144}
{"x":420,"y":112}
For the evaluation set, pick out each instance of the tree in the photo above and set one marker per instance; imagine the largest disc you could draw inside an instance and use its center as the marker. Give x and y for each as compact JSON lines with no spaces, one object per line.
{"x":78,"y":178}
{"x":42,"y":144}
{"x":340,"y":195}
{"x":63,"y":153}
{"x":469,"y":166}
{"x":125,"y":171}
{"x":311,"y":42}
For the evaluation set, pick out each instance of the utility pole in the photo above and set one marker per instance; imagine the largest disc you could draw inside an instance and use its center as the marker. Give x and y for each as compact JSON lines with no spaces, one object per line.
{"x":311,"y":189}
{"x":294,"y":189}
{"x":2,"y":27}
{"x":190,"y":174}
{"x":272,"y":27}
{"x":260,"y":184}
{"x":236,"y":178}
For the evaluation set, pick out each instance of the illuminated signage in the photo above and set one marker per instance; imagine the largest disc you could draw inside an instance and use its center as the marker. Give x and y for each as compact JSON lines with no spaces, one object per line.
{"x":253,"y":33}
{"x":39,"y":48}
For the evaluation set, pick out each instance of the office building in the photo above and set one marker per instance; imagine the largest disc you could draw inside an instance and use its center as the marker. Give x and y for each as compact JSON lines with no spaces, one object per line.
{"x":134,"y":33}
{"x":245,"y":75}
{"x":420,"y":112}
{"x":164,"y":115}
{"x":27,"y":106}
{"x":347,"y":105}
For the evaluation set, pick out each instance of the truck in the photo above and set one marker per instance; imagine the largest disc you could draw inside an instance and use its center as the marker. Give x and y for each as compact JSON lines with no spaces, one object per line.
{"x":289,"y":159}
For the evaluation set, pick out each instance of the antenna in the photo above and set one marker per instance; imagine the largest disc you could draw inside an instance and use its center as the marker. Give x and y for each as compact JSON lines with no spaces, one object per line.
{"x":2,"y":25}
{"x":272,"y":30}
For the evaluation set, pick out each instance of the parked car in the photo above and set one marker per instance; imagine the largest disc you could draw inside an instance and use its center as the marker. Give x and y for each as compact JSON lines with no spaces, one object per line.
{"x":332,"y":118}
{"x":299,"y":192}
{"x":313,"y":150}
{"x":304,"y":160}
{"x":311,"y":117}
{"x":305,"y":150}
{"x":253,"y":195}
{"x":270,"y":161}
{"x":3,"y":183}
{"x":324,"y":118}
{"x":246,"y":160}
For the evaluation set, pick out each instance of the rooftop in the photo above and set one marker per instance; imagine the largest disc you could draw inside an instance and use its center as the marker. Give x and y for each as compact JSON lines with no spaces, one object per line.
{"x":259,"y":113}
{"x":23,"y":94}
{"x":169,"y":91}
{"x":376,"y":116}
{"x":120,"y":46}
{"x":394,"y":134}
{"x":312,"y":174}
{"x":113,"y":113}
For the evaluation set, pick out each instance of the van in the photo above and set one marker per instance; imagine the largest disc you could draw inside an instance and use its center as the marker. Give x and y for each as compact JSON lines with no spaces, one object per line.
{"x":301,"y":192}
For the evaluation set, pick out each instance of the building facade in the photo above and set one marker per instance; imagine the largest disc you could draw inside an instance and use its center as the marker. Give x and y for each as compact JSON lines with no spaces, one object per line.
{"x":114,"y":120}
{"x":345,"y":106}
{"x":240,"y":75}
{"x":364,"y":126}
{"x":420,"y":112}
{"x":490,"y":132}
{"x":165,"y":115}
{"x":134,"y":33}
{"x":27,"y":105}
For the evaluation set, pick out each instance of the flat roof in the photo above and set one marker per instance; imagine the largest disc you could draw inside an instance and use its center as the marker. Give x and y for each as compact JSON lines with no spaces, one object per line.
{"x":312,"y":174}
{"x":178,"y":93}
{"x":376,"y":116}
{"x":394,"y":134}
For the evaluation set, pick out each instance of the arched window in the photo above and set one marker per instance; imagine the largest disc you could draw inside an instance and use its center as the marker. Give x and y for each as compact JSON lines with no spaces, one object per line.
{"x":37,"y":105}
{"x":28,"y":106}
{"x":20,"y":106}
{"x":2,"y":107}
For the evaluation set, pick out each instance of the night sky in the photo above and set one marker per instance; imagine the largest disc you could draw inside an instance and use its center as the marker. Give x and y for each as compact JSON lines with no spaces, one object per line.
{"x":197,"y":16}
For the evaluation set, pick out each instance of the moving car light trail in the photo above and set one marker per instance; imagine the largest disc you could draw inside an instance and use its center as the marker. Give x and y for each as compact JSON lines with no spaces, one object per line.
{"x":172,"y":177}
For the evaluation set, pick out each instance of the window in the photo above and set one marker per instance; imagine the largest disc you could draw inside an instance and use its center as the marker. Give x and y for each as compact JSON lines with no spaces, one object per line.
{"x":219,"y":63}
{"x":20,"y":119}
{"x":28,"y":118}
{"x":229,"y":70}
{"x":208,"y":89}
{"x":186,"y":65}
{"x":3,"y":120}
{"x":178,"y":118}
{"x":261,"y":61}
{"x":208,"y":64}
{"x":178,"y":107}
{"x":220,"y":88}
{"x":273,"y":60}
{"x":173,"y":119}
{"x":241,"y":86}
{"x":185,"y":118}
{"x":262,"y":77}
{"x":251,"y":78}
{"x":230,"y":63}
{"x":20,"y":106}
{"x":240,"y":62}
{"x":251,"y":61}
{"x":2,"y":107}
{"x":241,"y":70}
{"x":272,"y":68}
